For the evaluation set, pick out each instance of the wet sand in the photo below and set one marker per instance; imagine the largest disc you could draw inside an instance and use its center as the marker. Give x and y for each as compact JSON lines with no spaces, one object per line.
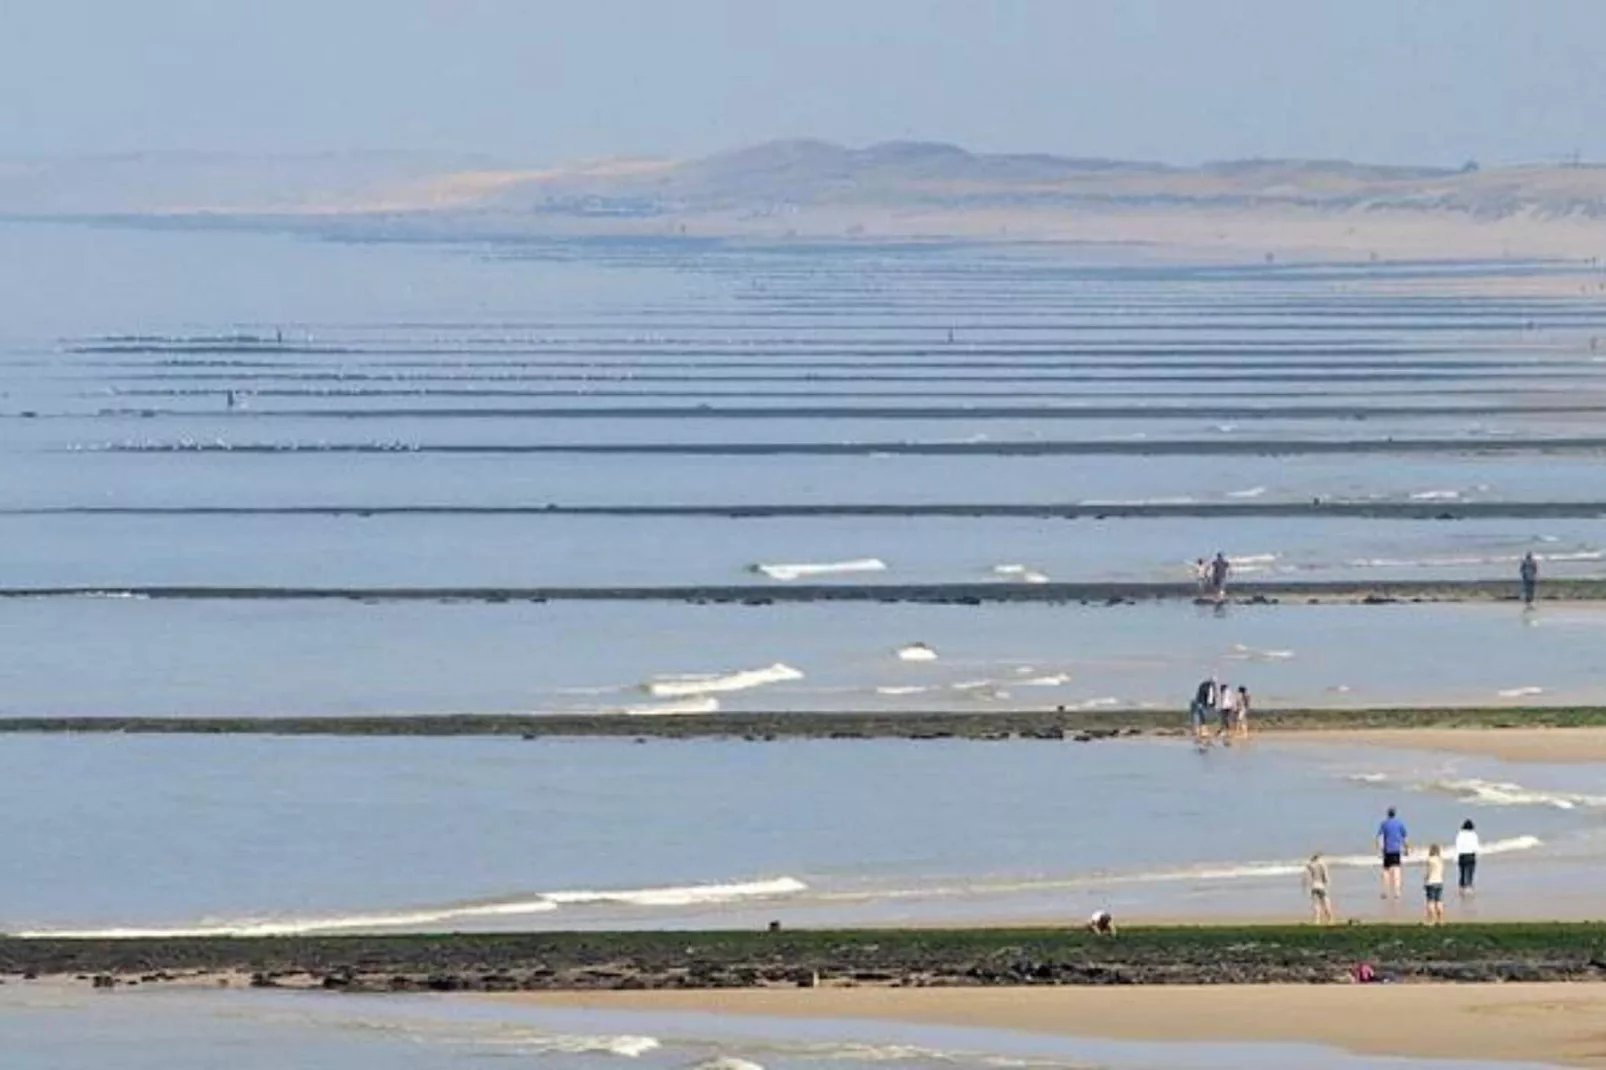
{"x":1557,"y":745}
{"x":1563,"y":1024}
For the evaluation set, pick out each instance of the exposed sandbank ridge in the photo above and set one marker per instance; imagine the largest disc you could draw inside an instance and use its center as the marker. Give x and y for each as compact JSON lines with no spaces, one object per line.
{"x":1545,"y":951}
{"x":1369,"y":510}
{"x":1519,"y":1022}
{"x":1561,"y":733}
{"x":1106,"y":592}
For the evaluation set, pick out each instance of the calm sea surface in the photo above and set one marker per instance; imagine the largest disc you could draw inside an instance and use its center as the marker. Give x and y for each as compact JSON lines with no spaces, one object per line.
{"x":203,"y":409}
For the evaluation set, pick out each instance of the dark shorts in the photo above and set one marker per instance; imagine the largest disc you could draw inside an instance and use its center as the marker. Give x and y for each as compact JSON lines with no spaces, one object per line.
{"x":1435,"y":892}
{"x":1391,"y":860}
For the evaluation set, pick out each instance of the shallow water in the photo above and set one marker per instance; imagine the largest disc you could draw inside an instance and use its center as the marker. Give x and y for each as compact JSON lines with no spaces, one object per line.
{"x":89,"y":655}
{"x":306,"y":834}
{"x":56,"y":1029}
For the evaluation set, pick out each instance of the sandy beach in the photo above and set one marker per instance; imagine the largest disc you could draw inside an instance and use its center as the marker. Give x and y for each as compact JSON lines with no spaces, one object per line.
{"x":1563,"y":1024}
{"x":1548,"y":745}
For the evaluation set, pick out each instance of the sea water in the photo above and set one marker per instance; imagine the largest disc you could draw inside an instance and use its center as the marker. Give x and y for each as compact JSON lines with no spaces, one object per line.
{"x":282,"y":835}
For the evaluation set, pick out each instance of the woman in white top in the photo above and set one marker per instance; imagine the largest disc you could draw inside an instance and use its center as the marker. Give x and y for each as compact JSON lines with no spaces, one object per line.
{"x":1466,"y":856}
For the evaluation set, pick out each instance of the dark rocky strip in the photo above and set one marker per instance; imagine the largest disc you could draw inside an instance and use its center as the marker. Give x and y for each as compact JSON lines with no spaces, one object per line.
{"x":833,"y":360}
{"x":961,"y":957}
{"x":1216,"y":447}
{"x":1393,"y":510}
{"x":1184,"y":410}
{"x":1083,"y":726}
{"x":765,"y":594}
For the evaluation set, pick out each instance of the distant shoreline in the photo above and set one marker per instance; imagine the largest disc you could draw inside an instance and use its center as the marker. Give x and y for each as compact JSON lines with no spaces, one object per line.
{"x":1415,"y":726}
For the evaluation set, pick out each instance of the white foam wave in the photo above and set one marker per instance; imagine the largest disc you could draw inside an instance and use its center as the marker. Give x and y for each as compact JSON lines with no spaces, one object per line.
{"x":1504,"y":793}
{"x":1520,"y":692}
{"x":727,"y":1062}
{"x":1435,"y":495}
{"x":1202,"y":872}
{"x":901,"y":690}
{"x":916,"y":652}
{"x":539,"y":903}
{"x":1059,"y":679}
{"x":1491,"y":792}
{"x":691,"y":895}
{"x":1128,"y":502}
{"x":682,"y":708}
{"x":1023,"y":573}
{"x":1247,"y":653}
{"x":823,"y":568}
{"x":1250,"y":492}
{"x":1103,"y":702}
{"x":1467,"y":560}
{"x":703,"y":684}
{"x":625,"y":1045}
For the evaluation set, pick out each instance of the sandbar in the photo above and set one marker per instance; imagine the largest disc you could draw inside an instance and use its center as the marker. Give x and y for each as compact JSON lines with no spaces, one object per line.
{"x":1555,"y":1023}
{"x":1557,"y":745}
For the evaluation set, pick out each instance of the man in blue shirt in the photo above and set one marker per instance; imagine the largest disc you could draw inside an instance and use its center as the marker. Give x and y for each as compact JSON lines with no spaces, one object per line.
{"x":1394,"y":845}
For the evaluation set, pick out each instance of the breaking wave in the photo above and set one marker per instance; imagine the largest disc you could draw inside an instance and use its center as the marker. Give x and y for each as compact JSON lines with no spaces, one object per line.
{"x":823,"y":568}
{"x":1490,"y":792}
{"x":513,"y":907}
{"x":709,"y":683}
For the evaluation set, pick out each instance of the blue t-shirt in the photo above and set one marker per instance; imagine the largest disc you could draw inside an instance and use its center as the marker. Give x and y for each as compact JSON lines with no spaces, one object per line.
{"x":1392,"y":831}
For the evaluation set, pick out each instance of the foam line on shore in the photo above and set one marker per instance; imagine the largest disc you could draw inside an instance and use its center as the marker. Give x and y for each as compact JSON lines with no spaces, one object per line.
{"x":413,"y":918}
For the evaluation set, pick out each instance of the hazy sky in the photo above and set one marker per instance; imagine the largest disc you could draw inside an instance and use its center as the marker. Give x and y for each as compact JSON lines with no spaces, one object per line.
{"x":1180,"y":80}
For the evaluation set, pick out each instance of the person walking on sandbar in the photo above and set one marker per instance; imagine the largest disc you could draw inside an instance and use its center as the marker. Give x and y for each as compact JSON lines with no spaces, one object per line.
{"x":1529,"y":572}
{"x":1394,"y":844}
{"x":1220,"y":570}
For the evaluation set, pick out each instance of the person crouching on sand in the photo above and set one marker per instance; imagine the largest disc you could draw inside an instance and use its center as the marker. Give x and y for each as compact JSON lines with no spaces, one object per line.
{"x":1101,"y":923}
{"x":1433,"y":886}
{"x":1318,"y":885}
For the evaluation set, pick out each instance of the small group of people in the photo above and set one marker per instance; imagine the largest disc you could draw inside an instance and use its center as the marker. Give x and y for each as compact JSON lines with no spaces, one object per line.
{"x":1212,"y":575}
{"x":1219,"y":705}
{"x":1394,"y":847}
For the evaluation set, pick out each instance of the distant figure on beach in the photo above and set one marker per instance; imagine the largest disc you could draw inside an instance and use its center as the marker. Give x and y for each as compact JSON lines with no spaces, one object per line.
{"x":1529,"y":572}
{"x":1394,"y":844}
{"x":1466,"y":857}
{"x":1201,"y":575}
{"x":1220,"y":570}
{"x":1433,"y":886}
{"x":1102,"y":923}
{"x":1241,"y":716}
{"x":1318,"y":885}
{"x":1226,"y":710}
{"x":232,"y":399}
{"x":1204,"y":703}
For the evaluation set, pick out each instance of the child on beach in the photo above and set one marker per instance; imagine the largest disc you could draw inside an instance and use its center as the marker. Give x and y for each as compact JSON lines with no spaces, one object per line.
{"x":1319,"y":887}
{"x":1241,"y":718}
{"x":1433,"y":886}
